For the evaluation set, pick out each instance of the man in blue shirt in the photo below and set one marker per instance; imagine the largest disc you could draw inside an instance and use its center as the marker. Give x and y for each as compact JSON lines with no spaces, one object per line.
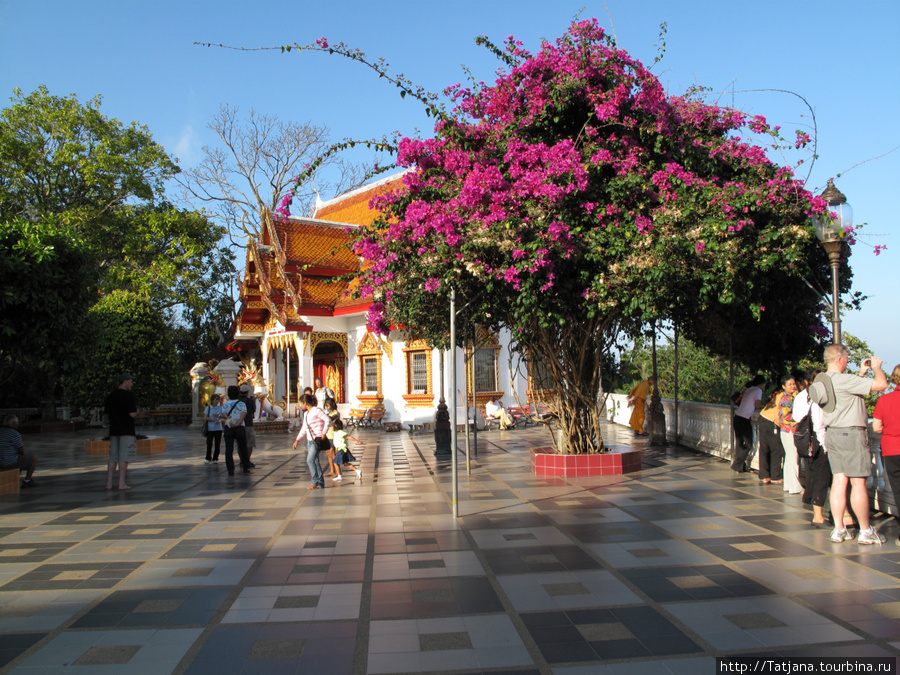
{"x":12,"y":451}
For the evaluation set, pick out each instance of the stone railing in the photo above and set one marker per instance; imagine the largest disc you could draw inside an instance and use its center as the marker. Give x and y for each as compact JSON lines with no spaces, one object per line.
{"x":707,"y":427}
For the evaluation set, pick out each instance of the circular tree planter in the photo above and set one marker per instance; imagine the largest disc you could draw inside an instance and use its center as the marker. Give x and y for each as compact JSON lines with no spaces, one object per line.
{"x":546,"y":462}
{"x":151,"y":445}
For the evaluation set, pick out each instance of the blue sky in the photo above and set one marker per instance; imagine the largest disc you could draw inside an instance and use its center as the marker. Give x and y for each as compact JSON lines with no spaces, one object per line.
{"x":840,"y":56}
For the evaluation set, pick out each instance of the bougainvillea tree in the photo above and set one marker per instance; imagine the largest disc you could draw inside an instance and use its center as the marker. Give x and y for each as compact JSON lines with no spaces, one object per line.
{"x":574,"y":198}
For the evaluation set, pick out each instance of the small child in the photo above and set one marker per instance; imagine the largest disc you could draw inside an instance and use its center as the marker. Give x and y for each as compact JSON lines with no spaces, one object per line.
{"x":331,"y":408}
{"x":342,"y":455}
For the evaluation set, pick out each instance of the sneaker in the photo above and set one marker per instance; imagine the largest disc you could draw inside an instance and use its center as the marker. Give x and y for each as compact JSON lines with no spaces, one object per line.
{"x":359,"y":474}
{"x":28,"y":484}
{"x":871,"y":536}
{"x":840,"y":535}
{"x":337,"y":479}
{"x":208,"y":461}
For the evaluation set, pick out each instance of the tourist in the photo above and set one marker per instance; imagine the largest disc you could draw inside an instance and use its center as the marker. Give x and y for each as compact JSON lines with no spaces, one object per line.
{"x":331,"y":409}
{"x":12,"y":451}
{"x":788,"y":426}
{"x":249,"y":400}
{"x":233,"y":416}
{"x":494,"y":410}
{"x":121,"y":407}
{"x":343,"y":456}
{"x":847,"y":436}
{"x":750,"y":403}
{"x":213,"y":417}
{"x":315,"y":424}
{"x":771,"y":451}
{"x":818,"y":474}
{"x":886,"y":421}
{"x":323,"y":393}
{"x":638,"y":399}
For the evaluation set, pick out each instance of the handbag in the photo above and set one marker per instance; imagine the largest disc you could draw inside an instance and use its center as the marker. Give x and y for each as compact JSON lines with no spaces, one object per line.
{"x":204,"y":430}
{"x":322,"y":444}
{"x":230,"y":423}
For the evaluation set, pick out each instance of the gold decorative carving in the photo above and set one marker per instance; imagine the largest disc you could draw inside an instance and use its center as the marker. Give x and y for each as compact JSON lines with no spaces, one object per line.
{"x":316,"y":337}
{"x":416,"y":345}
{"x":388,"y":348}
{"x":369,"y":345}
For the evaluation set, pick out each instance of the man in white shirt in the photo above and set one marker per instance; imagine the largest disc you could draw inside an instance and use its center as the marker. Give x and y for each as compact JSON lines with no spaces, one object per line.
{"x":494,"y":409}
{"x":322,"y":393}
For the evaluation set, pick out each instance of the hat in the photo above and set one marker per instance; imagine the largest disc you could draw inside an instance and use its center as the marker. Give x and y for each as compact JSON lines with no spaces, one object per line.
{"x":126,"y":376}
{"x":821,"y":392}
{"x":245,"y":388}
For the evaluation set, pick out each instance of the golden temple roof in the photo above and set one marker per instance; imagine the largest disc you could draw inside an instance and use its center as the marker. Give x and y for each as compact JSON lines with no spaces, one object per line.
{"x":298,"y":266}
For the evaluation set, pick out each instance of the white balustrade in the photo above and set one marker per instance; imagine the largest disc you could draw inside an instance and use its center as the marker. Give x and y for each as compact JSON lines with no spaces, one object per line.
{"x":706,"y":427}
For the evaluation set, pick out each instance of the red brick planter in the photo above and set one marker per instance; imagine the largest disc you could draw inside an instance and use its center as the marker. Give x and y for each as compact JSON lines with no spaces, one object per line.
{"x":151,"y":445}
{"x":545,"y":462}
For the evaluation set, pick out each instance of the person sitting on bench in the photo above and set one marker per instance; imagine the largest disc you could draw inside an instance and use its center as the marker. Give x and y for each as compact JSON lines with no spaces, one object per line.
{"x":12,"y":451}
{"x":494,"y":409}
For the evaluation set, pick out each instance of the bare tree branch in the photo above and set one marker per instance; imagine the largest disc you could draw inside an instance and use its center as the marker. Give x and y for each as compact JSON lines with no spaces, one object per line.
{"x":254,"y":168}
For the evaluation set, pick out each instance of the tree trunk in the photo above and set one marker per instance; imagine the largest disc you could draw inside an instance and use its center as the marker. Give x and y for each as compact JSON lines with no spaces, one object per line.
{"x":573,"y":356}
{"x":48,"y":396}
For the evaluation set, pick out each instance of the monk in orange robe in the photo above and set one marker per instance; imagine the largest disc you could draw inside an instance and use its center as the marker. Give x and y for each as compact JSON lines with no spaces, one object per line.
{"x":638,"y":399}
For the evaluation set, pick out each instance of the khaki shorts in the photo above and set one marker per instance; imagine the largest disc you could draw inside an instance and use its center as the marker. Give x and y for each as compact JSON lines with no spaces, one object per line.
{"x":848,"y":451}
{"x":122,"y":448}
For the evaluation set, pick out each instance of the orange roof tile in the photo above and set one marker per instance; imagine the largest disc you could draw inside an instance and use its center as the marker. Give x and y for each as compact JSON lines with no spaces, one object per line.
{"x":353,"y":207}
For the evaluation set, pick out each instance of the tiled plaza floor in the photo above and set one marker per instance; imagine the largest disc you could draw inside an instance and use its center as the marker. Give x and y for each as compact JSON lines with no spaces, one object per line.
{"x":192,"y":571}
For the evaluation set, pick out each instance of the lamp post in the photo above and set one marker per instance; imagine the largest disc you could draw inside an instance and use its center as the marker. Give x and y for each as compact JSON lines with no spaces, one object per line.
{"x":657,"y":426}
{"x":830,"y":232}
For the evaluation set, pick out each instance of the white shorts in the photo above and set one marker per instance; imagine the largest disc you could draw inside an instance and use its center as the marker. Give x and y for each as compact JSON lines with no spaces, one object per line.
{"x":122,"y":448}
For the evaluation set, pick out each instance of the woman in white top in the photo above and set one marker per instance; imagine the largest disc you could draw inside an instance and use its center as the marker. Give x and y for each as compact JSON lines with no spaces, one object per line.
{"x":818,"y":477}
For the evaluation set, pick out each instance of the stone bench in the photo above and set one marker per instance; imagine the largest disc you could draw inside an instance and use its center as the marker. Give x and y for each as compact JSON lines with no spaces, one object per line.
{"x":9,"y":481}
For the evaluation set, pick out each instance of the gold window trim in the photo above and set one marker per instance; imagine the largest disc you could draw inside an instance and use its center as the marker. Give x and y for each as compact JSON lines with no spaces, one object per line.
{"x":370,"y":346}
{"x":425,"y":400}
{"x":484,"y":339}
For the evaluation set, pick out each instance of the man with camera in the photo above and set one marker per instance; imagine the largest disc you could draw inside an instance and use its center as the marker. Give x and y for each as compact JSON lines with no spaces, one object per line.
{"x":847,"y":438}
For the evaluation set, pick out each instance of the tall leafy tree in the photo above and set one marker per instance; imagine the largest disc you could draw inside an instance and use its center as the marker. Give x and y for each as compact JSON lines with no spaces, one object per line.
{"x":574,"y":199}
{"x":48,"y":280}
{"x":128,"y":334}
{"x":101,"y":185}
{"x":59,"y":156}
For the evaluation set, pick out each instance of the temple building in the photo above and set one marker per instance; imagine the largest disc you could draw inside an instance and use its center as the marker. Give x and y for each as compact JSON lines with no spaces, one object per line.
{"x":299,"y":319}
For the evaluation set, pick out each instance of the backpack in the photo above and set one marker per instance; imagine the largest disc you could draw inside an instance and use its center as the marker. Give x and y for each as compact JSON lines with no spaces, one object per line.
{"x":805,"y":439}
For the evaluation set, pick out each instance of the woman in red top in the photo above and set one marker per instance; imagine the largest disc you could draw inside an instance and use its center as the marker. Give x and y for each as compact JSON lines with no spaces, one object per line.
{"x":886,"y":421}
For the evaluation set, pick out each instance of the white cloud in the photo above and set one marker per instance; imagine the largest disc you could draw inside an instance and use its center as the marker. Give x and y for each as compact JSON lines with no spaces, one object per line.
{"x":187,"y":149}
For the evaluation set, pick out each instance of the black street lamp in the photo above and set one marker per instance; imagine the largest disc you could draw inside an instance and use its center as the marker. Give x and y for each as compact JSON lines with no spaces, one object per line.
{"x":830,"y":232}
